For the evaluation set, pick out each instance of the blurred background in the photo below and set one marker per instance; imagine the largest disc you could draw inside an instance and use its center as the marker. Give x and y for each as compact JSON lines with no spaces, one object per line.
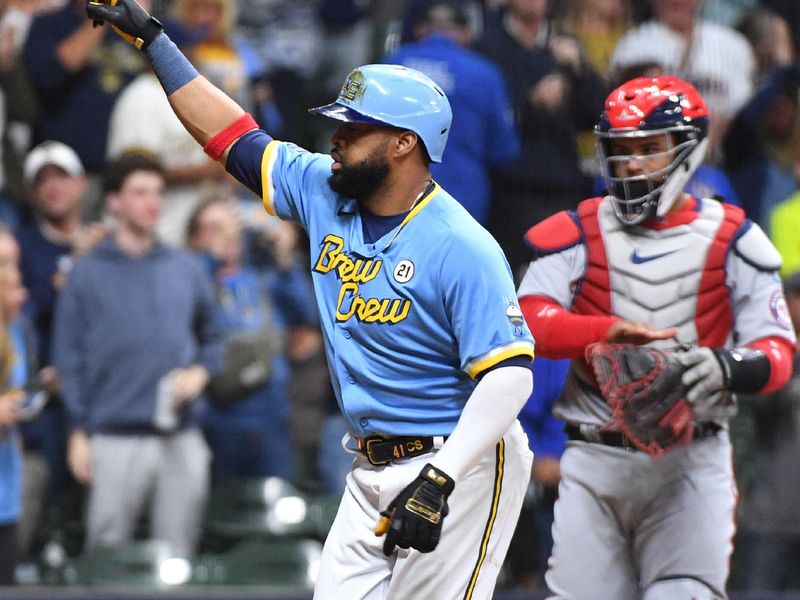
{"x":526,"y":80}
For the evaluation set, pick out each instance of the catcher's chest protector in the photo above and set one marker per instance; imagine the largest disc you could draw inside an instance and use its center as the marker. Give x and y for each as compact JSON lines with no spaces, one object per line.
{"x":669,"y":277}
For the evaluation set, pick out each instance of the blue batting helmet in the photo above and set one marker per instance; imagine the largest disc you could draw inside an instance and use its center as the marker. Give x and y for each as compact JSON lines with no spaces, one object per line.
{"x":396,"y":96}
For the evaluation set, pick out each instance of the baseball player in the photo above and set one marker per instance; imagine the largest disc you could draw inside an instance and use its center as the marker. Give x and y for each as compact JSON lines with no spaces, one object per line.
{"x":649,"y":264}
{"x":427,"y":349}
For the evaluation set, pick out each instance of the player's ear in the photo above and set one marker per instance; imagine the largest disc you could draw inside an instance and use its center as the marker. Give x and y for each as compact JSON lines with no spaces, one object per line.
{"x":404,"y":143}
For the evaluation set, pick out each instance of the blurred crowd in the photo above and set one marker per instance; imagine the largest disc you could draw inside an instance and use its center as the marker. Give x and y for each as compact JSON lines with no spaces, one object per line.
{"x":159,"y":334}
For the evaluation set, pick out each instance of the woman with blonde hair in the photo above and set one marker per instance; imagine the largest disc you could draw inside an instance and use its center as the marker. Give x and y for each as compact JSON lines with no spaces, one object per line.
{"x":12,"y":396}
{"x":598,"y":25}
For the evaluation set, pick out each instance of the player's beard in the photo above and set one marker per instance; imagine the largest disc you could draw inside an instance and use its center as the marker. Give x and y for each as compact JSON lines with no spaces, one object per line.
{"x":362,"y":179}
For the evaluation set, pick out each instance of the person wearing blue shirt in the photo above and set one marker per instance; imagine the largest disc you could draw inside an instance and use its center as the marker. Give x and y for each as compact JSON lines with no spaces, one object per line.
{"x":136,"y":338}
{"x":247,"y":427}
{"x":547,"y":440}
{"x":485,"y":135}
{"x":428,"y":353}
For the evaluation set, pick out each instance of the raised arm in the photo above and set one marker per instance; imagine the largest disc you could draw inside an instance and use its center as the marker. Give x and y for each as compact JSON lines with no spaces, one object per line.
{"x":209,"y":115}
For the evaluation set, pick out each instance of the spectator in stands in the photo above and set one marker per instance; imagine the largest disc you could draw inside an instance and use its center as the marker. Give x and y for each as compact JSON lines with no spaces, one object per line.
{"x":137,"y":336}
{"x":790,"y":11}
{"x":21,"y":104}
{"x":716,"y":59}
{"x":485,"y":136}
{"x":554,"y":93}
{"x":784,"y":228}
{"x":771,"y":40}
{"x":598,"y":25}
{"x":762,"y":145}
{"x":12,"y":380}
{"x":50,"y":243}
{"x":769,"y":515}
{"x":75,"y":87}
{"x":284,"y":39}
{"x":191,"y":175}
{"x":247,"y":421}
{"x":347,"y":40}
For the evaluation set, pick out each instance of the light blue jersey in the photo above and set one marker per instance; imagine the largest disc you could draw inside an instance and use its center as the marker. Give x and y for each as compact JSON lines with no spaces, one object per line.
{"x":410,"y":321}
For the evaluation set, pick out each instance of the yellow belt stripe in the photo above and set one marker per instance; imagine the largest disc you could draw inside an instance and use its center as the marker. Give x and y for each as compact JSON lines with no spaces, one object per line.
{"x":498,"y":487}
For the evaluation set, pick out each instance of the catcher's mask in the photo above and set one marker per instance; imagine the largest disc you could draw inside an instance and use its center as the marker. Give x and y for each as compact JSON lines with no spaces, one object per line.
{"x":397,"y":96}
{"x":641,"y":108}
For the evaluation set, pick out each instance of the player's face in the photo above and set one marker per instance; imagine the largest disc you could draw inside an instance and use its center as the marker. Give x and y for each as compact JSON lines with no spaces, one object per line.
{"x":361,"y":164}
{"x":137,"y":205}
{"x":56,"y":193}
{"x":648,"y":156}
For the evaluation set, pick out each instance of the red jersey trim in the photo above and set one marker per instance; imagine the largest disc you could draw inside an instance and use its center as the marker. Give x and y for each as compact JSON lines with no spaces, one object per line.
{"x":780,"y":353}
{"x":593,"y":296}
{"x":714,"y":314}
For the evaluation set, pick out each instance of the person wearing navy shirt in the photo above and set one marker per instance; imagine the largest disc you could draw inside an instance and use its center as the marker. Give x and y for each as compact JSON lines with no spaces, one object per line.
{"x":485,"y":135}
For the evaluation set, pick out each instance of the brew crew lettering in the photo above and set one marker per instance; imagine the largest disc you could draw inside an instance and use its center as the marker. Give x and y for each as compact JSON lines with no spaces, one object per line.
{"x":350,"y":303}
{"x":331,"y":258}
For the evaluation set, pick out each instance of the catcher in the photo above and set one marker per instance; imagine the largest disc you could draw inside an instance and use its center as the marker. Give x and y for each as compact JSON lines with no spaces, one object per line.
{"x":647,"y":496}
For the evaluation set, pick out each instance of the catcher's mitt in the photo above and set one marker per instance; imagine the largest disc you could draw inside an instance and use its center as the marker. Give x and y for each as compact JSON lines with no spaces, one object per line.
{"x":643,"y":386}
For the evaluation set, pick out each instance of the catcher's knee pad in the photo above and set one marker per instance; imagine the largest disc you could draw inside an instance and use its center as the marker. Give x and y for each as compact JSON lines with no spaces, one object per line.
{"x":684,"y":588}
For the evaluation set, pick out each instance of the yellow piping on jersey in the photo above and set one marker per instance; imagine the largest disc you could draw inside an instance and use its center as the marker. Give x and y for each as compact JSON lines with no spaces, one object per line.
{"x":420,"y":205}
{"x":267,"y":162}
{"x":487,"y":533}
{"x":477,"y":366}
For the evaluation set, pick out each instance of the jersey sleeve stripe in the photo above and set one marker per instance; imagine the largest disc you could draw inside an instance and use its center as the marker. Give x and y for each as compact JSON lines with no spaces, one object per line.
{"x":488,"y":360}
{"x":267,"y":187}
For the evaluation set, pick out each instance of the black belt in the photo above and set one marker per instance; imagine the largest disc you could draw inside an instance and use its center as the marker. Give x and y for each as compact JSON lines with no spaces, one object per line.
{"x":619,"y":440}
{"x":381,"y":450}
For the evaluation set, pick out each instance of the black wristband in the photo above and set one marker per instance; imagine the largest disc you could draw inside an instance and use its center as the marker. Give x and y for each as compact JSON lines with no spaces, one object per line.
{"x":746,"y":370}
{"x":150,"y":31}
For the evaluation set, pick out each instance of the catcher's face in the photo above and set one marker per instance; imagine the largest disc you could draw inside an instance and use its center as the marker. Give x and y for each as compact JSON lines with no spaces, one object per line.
{"x":646,"y":156}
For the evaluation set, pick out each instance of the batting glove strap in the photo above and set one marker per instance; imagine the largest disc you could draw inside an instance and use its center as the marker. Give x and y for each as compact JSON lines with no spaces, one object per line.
{"x":416,"y":514}
{"x":745,"y":370}
{"x":129,"y":20}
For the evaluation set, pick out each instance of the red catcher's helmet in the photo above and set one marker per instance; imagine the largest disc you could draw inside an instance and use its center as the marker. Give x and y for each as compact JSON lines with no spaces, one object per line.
{"x":645,"y":107}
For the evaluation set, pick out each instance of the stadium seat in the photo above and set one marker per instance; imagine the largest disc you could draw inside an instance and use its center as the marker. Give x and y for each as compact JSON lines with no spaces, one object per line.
{"x":271,"y":507}
{"x":284,"y":563}
{"x":146,"y":563}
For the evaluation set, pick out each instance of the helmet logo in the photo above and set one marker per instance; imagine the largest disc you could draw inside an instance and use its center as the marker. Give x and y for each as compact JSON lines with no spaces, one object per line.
{"x":354,"y":87}
{"x":625,"y":115}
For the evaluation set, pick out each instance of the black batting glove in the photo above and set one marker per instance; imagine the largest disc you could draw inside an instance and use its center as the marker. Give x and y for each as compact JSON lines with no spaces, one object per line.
{"x":133,"y":23}
{"x":414,"y":518}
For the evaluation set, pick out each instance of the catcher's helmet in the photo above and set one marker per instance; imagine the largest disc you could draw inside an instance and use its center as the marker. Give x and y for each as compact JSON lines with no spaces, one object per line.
{"x":396,"y":96}
{"x":646,"y":107}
